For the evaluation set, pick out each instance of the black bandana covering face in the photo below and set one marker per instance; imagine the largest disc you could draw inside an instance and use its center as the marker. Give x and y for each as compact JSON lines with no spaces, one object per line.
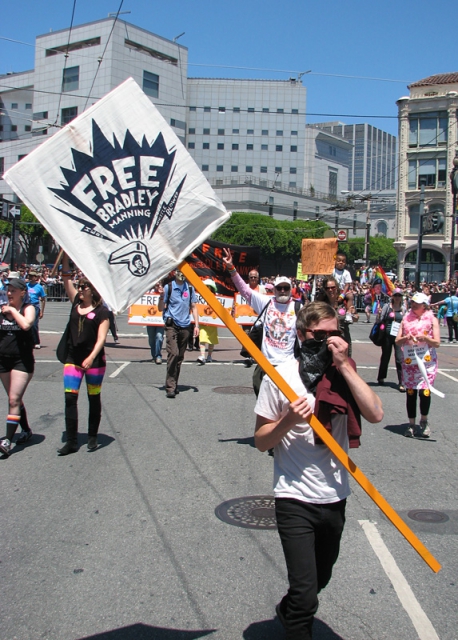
{"x":315,"y":358}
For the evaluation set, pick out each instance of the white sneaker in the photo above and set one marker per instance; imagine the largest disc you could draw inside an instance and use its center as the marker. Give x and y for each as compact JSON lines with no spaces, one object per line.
{"x":424,"y":431}
{"x":5,"y":446}
{"x":201,"y":359}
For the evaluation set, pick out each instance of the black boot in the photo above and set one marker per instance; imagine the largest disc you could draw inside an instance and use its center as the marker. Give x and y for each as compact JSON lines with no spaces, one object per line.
{"x":71,"y":446}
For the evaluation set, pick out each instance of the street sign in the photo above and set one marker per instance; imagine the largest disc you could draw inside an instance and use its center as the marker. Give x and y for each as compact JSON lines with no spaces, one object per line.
{"x":329,"y":233}
{"x":39,"y":257}
{"x":15,"y":211}
{"x":341,"y":235}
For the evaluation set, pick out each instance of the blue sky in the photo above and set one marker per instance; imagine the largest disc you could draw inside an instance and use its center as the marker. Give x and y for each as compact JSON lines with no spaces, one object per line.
{"x":361,"y":54}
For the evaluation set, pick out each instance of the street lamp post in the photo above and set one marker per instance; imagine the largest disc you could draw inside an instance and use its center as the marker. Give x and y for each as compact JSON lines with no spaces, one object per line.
{"x":454,"y":185}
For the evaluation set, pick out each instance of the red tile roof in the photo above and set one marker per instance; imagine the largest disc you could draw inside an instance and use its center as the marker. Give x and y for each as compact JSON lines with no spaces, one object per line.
{"x":440,"y":78}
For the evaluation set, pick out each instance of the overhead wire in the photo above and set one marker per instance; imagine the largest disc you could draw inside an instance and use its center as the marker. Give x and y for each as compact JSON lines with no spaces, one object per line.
{"x":66,"y":54}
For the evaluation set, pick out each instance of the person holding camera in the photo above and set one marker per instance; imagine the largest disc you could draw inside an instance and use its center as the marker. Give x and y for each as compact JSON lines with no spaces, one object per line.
{"x":178,"y":303}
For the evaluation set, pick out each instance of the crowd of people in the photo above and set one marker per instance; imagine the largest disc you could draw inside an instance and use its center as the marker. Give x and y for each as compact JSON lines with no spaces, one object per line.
{"x":306,"y":334}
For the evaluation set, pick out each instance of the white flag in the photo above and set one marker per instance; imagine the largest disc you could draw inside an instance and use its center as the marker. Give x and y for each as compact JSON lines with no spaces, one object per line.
{"x":120,"y":193}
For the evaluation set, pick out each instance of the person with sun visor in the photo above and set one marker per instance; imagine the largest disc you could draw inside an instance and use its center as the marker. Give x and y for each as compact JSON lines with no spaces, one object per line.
{"x":278,"y":316}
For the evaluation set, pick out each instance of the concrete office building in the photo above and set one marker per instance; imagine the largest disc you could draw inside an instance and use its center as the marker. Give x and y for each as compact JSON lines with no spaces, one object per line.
{"x":427,"y":146}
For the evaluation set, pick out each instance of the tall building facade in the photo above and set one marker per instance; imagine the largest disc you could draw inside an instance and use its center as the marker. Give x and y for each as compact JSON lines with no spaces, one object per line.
{"x":372,"y":160}
{"x":427,"y":147}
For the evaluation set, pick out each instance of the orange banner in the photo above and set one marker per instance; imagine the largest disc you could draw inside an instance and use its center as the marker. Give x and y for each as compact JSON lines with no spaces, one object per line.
{"x":319,"y":256}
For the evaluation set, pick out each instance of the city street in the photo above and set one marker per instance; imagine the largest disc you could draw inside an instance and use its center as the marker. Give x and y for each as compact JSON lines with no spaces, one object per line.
{"x":124,"y":543}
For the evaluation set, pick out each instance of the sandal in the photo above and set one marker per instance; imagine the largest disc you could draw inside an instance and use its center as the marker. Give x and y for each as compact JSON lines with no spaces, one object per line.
{"x":401,"y":388}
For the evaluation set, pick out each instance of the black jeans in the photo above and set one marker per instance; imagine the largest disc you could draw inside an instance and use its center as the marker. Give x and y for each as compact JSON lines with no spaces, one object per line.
{"x":452,"y":327}
{"x":310,"y":535}
{"x":387,"y":347}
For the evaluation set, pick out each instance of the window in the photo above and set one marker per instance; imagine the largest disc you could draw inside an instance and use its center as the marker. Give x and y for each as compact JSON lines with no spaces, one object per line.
{"x":292,"y":184}
{"x":1,"y":127}
{"x":24,"y":155}
{"x":333,"y":184}
{"x":294,"y":110}
{"x":221,"y":132}
{"x":293,"y":170}
{"x":250,"y":109}
{"x":293,"y":148}
{"x":151,"y":84}
{"x":27,"y":127}
{"x":220,"y":146}
{"x":428,"y":129}
{"x":206,"y":145}
{"x":235,"y":130}
{"x":382,"y":228}
{"x":68,"y":114}
{"x":250,"y":132}
{"x":14,"y":105}
{"x":265,"y":132}
{"x":279,"y":132}
{"x":249,"y":147}
{"x":264,"y":147}
{"x":265,"y":109}
{"x":234,"y":168}
{"x":221,"y":109}
{"x":14,"y":127}
{"x":278,"y":169}
{"x":179,"y":124}
{"x":28,"y":105}
{"x":207,"y":109}
{"x":205,"y":167}
{"x":263,"y":169}
{"x":236,"y":109}
{"x":431,"y":171}
{"x":2,"y":165}
{"x":219,"y":167}
{"x":40,"y":115}
{"x":206,"y":132}
{"x":235,"y":147}
{"x":278,"y":147}
{"x":414,"y":218}
{"x":280,"y":110}
{"x":249,"y":169}
{"x":294,"y":133}
{"x":74,"y":46}
{"x":192,"y":109}
{"x":71,"y":79}
{"x":192,"y":130}
{"x":191,"y":145}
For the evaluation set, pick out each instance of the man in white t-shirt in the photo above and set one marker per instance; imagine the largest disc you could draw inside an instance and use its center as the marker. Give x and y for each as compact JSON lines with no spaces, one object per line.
{"x":278,"y":318}
{"x":310,"y":484}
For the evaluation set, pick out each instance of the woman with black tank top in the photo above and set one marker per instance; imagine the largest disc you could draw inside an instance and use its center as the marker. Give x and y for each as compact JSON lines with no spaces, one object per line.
{"x":89,"y":323}
{"x":17,"y":362}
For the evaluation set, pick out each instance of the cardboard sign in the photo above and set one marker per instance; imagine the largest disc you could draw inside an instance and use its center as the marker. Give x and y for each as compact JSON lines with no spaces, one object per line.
{"x":319,"y":256}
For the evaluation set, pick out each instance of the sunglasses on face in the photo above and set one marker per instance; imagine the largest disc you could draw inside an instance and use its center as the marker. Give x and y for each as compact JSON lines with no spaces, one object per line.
{"x":285,"y":288}
{"x":319,"y":335}
{"x":330,"y":288}
{"x":83,"y":287}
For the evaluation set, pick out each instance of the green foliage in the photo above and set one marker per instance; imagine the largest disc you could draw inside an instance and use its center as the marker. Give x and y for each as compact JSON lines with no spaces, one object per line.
{"x":31,"y":232}
{"x":381,"y":251}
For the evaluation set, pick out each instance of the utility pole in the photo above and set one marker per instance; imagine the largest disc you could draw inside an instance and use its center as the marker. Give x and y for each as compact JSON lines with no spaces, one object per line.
{"x":368,"y":231}
{"x":454,"y":185}
{"x":420,"y":236}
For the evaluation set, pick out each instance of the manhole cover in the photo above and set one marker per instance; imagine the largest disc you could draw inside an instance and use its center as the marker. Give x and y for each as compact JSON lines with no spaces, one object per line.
{"x":428,"y":515}
{"x":252,"y":512}
{"x":233,"y":390}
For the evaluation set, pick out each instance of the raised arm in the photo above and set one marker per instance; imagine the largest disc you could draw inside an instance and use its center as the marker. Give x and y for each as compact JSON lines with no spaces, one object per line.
{"x":66,"y":276}
{"x":238,"y":281}
{"x":268,"y":433}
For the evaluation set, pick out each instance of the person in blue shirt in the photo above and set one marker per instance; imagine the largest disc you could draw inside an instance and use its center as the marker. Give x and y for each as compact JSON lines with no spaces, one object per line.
{"x":178,"y":303}
{"x":451,"y":315}
{"x":37,"y":296}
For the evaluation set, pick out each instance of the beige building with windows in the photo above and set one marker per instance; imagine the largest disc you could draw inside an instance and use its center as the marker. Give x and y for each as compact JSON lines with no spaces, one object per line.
{"x":427,"y":145}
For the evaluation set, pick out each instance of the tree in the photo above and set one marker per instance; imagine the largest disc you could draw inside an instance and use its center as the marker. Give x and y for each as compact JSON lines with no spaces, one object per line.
{"x":381,"y":251}
{"x":280,"y":240}
{"x":31,"y":232}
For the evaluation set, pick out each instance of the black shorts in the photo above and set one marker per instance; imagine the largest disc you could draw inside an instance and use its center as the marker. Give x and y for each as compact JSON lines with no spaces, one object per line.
{"x":8,"y":363}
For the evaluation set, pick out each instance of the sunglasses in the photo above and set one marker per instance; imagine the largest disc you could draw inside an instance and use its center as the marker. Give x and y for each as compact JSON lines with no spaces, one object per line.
{"x":285,"y":288}
{"x":330,"y":288}
{"x":320,"y":335}
{"x":83,"y":287}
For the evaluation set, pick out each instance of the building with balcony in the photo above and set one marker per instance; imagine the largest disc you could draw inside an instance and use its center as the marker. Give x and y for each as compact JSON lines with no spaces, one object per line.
{"x":427,"y":146}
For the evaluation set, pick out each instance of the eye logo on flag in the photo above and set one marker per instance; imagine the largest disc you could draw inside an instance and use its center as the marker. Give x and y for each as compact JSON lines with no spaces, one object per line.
{"x":119,"y":192}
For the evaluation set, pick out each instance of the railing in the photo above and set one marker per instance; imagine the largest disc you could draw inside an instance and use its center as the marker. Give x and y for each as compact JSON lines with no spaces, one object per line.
{"x":55,"y":292}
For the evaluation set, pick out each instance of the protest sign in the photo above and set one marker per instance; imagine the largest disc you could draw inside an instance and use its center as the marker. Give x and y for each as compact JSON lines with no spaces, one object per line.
{"x":120,"y":193}
{"x":319,"y":256}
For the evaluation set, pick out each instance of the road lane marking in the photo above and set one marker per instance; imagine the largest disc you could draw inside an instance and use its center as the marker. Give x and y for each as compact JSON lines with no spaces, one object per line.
{"x":119,"y":369}
{"x":420,"y":620}
{"x":447,"y":375}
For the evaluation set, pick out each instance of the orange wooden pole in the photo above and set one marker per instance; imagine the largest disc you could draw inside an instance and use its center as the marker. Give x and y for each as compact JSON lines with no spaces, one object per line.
{"x":316,"y":425}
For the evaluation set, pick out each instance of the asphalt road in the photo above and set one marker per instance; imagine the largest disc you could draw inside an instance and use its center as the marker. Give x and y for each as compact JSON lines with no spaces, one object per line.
{"x":124,"y":544}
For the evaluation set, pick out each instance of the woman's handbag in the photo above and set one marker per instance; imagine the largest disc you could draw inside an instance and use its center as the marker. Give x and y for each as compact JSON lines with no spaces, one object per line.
{"x":256,"y":333}
{"x":377,"y":334}
{"x":62,"y":347}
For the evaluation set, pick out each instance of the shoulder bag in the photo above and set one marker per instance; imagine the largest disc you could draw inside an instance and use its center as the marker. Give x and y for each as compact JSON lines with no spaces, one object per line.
{"x":378,"y":331}
{"x":256,"y":333}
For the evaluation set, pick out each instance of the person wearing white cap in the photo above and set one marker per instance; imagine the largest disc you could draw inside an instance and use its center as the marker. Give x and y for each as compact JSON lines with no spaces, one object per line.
{"x":279,"y":319}
{"x":208,"y":334}
{"x":419,"y":337}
